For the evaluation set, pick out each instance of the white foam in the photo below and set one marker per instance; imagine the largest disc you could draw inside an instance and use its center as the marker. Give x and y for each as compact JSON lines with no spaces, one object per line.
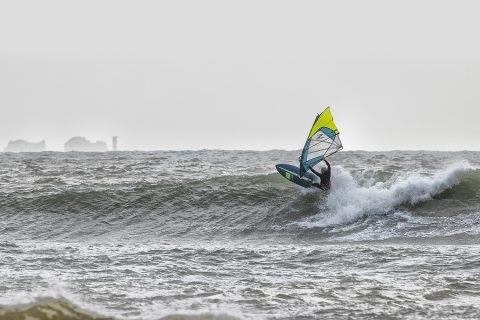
{"x":348,"y":200}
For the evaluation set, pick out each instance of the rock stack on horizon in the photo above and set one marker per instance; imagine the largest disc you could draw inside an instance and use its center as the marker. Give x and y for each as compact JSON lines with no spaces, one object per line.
{"x":25,"y":146}
{"x":83,"y":145}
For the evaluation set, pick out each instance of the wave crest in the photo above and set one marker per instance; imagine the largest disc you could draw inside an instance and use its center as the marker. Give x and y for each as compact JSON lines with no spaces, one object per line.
{"x":348,"y":200}
{"x":62,"y":309}
{"x":48,"y":309}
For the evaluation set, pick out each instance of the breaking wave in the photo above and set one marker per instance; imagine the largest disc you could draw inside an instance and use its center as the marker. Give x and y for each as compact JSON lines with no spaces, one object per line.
{"x":228,"y":205}
{"x":63,"y":309}
{"x":348,"y":200}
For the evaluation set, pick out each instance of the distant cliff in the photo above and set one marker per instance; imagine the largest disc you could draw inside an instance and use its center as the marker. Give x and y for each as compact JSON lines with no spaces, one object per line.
{"x":25,"y":146}
{"x":82,"y":144}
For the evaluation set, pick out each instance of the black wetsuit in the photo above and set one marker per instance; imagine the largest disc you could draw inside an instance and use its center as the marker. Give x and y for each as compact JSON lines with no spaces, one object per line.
{"x":324,"y":177}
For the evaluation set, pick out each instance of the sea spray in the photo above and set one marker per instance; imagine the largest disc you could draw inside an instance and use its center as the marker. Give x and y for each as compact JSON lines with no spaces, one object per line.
{"x":348,"y":200}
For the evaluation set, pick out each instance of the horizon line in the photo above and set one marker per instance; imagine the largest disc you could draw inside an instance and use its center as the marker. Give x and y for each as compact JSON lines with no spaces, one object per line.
{"x":245,"y":150}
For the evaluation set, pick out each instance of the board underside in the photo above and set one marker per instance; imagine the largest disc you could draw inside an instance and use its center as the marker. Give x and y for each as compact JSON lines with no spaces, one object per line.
{"x":292,"y":173}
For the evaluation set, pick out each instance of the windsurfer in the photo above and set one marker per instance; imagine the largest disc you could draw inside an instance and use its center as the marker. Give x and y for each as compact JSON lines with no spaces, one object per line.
{"x":324,"y":176}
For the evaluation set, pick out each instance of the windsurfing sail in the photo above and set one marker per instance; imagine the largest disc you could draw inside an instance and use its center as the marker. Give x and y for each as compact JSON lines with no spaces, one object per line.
{"x":323,"y":141}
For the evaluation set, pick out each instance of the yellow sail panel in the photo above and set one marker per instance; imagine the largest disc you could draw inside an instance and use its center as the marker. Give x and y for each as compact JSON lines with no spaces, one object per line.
{"x":325,"y":119}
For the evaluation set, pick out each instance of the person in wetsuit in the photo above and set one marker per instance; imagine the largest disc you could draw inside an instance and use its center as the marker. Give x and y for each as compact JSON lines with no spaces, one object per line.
{"x":324,"y":177}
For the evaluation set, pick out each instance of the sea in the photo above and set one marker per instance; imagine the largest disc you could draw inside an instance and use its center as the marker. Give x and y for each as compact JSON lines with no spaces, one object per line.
{"x":215,"y":234}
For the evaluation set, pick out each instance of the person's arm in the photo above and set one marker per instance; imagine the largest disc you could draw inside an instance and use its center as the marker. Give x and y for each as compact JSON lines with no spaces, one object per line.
{"x":328,"y":164}
{"x":318,"y":174}
{"x":328,"y":172}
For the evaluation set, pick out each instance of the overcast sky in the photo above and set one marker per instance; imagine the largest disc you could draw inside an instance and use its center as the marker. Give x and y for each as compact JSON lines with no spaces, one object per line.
{"x":241,"y":74}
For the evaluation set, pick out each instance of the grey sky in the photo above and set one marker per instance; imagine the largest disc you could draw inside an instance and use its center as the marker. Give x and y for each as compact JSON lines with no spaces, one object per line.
{"x":241,"y":75}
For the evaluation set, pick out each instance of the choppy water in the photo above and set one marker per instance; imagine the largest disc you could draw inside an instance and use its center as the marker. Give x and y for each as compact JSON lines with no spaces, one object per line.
{"x":219,"y":234}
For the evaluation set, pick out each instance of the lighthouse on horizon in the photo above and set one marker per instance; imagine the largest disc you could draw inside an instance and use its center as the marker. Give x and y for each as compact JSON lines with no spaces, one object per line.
{"x":114,"y":143}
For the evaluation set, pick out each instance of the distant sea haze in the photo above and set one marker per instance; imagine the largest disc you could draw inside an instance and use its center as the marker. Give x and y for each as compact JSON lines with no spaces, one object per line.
{"x":73,"y":144}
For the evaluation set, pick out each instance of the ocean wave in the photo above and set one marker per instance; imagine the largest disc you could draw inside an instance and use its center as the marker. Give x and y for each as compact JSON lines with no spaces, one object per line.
{"x":63,"y":309}
{"x":234,"y":205}
{"x":198,"y":193}
{"x":48,"y":309}
{"x":348,"y":200}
